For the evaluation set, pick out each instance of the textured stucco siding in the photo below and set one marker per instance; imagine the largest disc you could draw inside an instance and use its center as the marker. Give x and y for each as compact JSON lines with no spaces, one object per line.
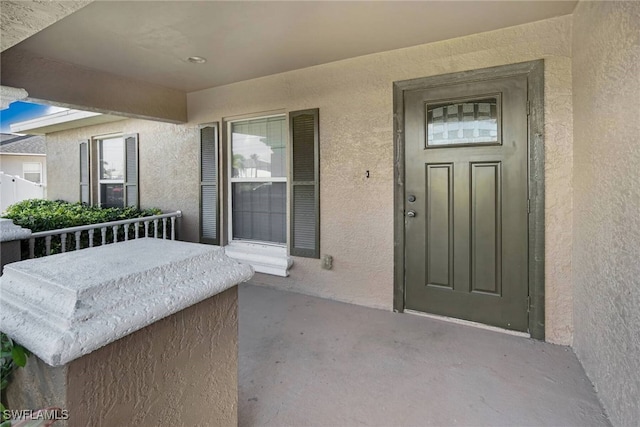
{"x":168,"y":161}
{"x":181,"y":370}
{"x":21,"y":19}
{"x":606,"y":257}
{"x":355,"y":99}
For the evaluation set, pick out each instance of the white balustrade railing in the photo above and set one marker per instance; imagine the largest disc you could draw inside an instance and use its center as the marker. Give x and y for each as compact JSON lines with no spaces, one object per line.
{"x":115,"y":226}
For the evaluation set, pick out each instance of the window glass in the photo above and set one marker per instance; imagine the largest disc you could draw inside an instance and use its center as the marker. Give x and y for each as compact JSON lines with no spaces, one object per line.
{"x":259,"y":211}
{"x":111,"y":195}
{"x":258,"y":148}
{"x":111,"y":164}
{"x":32,"y":172}
{"x":112,"y":159}
{"x":467,"y":122}
{"x":258,"y":180}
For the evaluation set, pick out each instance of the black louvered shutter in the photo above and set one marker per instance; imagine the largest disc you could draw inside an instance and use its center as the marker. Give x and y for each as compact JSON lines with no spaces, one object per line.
{"x":305,"y":183}
{"x":85,"y":175}
{"x":209,"y":184}
{"x":131,"y":170}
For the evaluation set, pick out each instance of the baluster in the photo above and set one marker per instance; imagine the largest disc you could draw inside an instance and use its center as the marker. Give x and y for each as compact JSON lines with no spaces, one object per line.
{"x":78,"y":233}
{"x":126,"y":232}
{"x":32,"y":247}
{"x":173,"y":228}
{"x":155,"y":228}
{"x":137,"y":228}
{"x":164,"y":228}
{"x":63,"y":242}
{"x":146,"y":229}
{"x":47,"y":244}
{"x":103,"y":230}
{"x":91,"y":237}
{"x":115,"y":233}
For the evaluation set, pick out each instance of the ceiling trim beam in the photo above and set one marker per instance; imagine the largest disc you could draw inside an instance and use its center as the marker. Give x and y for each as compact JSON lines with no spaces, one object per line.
{"x":70,"y":86}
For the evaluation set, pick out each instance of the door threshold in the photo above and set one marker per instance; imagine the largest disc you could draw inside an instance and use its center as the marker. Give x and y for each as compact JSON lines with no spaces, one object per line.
{"x":469,"y":323}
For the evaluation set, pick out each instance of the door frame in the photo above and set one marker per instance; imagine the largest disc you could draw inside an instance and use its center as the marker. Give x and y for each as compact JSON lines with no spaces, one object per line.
{"x":534,"y":70}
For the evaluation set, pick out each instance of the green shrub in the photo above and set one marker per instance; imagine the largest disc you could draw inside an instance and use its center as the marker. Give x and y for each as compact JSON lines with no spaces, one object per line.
{"x":44,"y":215}
{"x":12,"y":356}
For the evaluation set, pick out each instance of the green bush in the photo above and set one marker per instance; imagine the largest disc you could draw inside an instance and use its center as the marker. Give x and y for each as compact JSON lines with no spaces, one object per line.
{"x":44,"y":215}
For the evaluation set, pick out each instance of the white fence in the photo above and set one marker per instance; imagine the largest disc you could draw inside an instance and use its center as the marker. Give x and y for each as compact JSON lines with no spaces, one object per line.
{"x":14,"y":189}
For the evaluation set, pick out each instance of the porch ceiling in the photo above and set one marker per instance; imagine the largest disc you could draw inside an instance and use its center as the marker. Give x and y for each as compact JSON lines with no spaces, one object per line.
{"x":149,"y":41}
{"x":21,"y":19}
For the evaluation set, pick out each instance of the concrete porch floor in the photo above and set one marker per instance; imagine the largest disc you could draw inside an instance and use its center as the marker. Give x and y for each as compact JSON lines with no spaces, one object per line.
{"x":307,"y":361}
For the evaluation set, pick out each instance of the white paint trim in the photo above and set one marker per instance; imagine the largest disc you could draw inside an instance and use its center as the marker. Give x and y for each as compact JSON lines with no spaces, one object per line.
{"x":264,"y":258}
{"x":256,"y":263}
{"x":99,"y":141}
{"x":63,"y":120}
{"x":468,"y":323}
{"x":251,"y":116}
{"x":39,"y":172}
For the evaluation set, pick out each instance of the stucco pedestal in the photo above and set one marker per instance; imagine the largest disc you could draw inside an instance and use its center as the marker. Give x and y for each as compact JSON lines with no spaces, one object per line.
{"x":10,"y":237}
{"x":135,"y":333}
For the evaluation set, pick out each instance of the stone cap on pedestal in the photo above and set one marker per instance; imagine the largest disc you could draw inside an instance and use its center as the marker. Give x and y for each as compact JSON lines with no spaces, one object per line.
{"x":63,"y":306}
{"x":9,"y":231}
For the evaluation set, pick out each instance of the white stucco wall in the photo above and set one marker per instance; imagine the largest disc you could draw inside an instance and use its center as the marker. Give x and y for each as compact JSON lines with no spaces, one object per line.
{"x":606,"y":256}
{"x":168,"y":166}
{"x":356,"y":110}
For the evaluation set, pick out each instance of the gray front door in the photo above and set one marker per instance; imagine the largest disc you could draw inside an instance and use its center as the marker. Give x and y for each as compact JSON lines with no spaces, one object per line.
{"x":466,"y":241}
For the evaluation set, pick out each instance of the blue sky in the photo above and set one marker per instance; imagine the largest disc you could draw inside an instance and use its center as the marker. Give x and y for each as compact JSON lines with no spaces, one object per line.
{"x":21,"y":111}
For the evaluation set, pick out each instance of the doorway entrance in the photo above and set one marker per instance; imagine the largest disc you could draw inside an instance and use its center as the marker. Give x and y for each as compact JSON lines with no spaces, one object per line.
{"x":470,"y":169}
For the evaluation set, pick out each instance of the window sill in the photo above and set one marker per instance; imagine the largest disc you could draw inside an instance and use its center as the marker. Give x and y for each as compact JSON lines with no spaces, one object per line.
{"x":263,"y":258}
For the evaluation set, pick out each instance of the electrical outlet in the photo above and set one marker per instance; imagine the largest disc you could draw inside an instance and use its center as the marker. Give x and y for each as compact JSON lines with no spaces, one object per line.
{"x":327,"y":262}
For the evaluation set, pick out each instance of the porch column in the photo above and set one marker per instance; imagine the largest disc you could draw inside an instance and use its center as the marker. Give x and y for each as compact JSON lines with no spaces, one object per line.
{"x":142,"y":332}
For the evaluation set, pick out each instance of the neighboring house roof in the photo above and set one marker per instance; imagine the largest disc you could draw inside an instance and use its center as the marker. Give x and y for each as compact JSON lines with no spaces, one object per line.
{"x":21,"y":144}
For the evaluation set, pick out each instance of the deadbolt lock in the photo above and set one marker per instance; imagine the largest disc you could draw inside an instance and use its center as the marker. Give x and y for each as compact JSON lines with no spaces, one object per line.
{"x":411,"y":198}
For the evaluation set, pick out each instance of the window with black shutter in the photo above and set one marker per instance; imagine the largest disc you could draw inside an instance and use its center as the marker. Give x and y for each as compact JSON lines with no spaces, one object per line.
{"x":305,"y":183}
{"x":209,"y":208}
{"x":115,"y":171}
{"x":131,"y":170}
{"x":85,"y":173}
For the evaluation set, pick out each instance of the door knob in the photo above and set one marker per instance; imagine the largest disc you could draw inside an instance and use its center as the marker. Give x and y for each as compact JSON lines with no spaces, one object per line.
{"x":411,"y":213}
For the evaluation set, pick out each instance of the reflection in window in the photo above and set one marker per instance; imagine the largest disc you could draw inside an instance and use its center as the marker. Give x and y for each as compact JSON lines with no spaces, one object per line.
{"x":112,"y":158}
{"x":470,"y":122}
{"x":259,"y":211}
{"x":111,"y":177}
{"x":259,"y":180}
{"x":258,"y":148}
{"x":111,"y":195}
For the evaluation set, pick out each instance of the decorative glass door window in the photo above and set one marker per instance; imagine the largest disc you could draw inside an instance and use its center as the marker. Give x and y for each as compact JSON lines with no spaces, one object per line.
{"x":111,"y":172}
{"x":475,"y":121}
{"x":258,"y":180}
